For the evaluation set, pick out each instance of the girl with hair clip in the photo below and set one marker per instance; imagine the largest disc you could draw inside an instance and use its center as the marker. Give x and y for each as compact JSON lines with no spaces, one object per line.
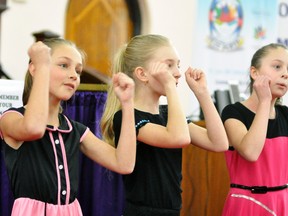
{"x":41,"y":145}
{"x":257,"y":130}
{"x":154,"y":187}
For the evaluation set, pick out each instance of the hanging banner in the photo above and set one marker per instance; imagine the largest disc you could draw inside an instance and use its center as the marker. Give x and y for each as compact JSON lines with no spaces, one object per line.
{"x":10,"y":94}
{"x":282,"y":36}
{"x":283,"y":30}
{"x":228,"y":32}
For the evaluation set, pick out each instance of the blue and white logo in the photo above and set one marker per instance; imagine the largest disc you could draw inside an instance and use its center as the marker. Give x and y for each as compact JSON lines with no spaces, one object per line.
{"x":225,"y":24}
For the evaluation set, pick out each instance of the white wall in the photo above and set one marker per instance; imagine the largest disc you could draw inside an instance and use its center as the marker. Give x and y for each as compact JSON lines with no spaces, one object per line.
{"x":176,"y":21}
{"x":18,"y":22}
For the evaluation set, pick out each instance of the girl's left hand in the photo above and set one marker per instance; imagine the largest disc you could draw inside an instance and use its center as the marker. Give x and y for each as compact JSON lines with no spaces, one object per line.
{"x":123,"y":86}
{"x":196,"y":79}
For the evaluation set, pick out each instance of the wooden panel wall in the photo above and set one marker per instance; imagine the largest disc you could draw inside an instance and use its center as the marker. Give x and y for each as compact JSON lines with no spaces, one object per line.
{"x":99,"y":27}
{"x":205,"y":182}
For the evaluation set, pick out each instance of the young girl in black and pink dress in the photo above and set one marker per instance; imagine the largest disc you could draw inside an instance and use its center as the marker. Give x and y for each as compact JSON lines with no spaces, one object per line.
{"x":41,"y":145}
{"x":257,"y":157}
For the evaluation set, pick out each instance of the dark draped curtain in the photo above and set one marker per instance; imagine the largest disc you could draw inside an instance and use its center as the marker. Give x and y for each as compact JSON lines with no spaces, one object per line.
{"x":100,"y":190}
{"x":6,"y":197}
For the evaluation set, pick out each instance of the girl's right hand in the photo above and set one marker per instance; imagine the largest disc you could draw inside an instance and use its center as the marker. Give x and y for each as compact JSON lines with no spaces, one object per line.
{"x":160,"y":72}
{"x":261,"y":86}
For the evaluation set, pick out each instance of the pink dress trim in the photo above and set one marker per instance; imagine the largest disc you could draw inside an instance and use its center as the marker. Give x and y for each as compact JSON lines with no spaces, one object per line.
{"x":27,"y":206}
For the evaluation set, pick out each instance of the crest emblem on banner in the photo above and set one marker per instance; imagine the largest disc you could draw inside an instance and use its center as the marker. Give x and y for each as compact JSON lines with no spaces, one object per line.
{"x":225,"y":24}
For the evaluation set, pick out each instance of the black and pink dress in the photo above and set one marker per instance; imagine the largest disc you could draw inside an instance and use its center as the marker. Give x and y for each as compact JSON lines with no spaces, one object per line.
{"x":260,"y":187}
{"x":44,"y":173}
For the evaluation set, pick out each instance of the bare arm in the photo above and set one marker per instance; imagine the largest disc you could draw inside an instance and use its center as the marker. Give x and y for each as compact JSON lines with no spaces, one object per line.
{"x":17,"y":128}
{"x":121,"y":159}
{"x":176,"y":133}
{"x":250,"y":143}
{"x":213,"y":137}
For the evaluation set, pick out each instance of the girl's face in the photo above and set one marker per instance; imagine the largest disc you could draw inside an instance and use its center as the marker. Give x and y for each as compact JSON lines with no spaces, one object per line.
{"x":275,"y":65}
{"x":168,"y":56}
{"x":66,"y":68}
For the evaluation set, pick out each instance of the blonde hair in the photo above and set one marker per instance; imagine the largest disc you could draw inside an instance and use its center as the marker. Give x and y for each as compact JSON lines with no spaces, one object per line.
{"x":52,"y":43}
{"x":136,"y":53}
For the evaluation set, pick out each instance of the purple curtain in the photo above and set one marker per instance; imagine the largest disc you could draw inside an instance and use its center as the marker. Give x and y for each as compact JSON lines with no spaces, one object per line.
{"x":6,"y":197}
{"x":100,"y":190}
